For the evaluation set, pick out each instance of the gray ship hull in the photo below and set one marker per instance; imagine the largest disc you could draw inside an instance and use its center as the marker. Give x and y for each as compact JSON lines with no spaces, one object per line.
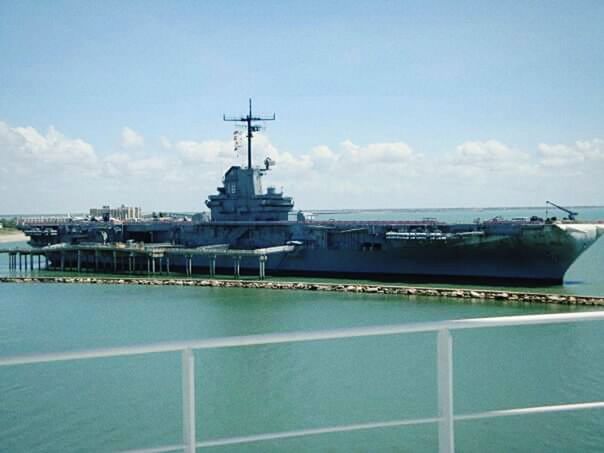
{"x":523,"y":252}
{"x":414,"y":265}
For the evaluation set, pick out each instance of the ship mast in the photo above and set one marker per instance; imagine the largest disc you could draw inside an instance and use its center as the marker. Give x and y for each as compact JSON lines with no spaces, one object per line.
{"x":249,"y":119}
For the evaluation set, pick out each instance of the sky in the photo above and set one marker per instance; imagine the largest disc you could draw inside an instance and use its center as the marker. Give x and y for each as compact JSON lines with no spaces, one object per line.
{"x":379,"y":104}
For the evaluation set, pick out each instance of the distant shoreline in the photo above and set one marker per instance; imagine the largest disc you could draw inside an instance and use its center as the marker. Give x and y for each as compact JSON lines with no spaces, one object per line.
{"x":12,"y":236}
{"x":475,"y":208}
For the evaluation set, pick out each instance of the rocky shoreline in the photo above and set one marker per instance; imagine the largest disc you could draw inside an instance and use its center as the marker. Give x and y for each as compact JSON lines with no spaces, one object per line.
{"x":409,"y":291}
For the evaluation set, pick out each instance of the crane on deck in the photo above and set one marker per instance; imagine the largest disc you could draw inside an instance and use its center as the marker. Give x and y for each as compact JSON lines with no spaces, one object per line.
{"x":571,"y":214}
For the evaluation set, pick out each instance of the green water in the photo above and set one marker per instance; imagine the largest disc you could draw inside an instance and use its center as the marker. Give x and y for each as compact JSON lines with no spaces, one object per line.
{"x":115,"y":404}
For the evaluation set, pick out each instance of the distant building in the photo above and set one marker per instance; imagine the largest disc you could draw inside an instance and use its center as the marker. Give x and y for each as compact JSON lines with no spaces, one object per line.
{"x":121,"y":213}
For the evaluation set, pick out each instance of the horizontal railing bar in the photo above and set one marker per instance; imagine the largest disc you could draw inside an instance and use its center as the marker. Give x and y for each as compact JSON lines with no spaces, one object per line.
{"x":376,"y":425}
{"x":166,"y":449}
{"x":312,"y":432}
{"x":293,"y":337}
{"x":531,"y":410}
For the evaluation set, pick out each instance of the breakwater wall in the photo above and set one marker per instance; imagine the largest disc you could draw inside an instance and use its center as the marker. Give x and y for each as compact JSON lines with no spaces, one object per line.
{"x":408,"y":291}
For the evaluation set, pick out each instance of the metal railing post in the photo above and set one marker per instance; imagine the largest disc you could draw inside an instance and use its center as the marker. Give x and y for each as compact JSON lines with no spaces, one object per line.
{"x":188,"y":400}
{"x":444,"y":356}
{"x":446,"y":438}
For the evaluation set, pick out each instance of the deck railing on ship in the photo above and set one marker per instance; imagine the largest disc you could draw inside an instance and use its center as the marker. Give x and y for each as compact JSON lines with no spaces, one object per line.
{"x":445,"y":418}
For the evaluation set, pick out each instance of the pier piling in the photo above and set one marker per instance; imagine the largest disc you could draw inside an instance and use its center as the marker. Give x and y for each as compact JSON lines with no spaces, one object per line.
{"x":262,"y":267}
{"x":111,"y":258}
{"x":236,"y":264}
{"x":212,"y":265}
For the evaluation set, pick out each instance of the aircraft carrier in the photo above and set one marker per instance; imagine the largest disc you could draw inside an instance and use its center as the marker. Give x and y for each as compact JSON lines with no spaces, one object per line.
{"x":248,"y":228}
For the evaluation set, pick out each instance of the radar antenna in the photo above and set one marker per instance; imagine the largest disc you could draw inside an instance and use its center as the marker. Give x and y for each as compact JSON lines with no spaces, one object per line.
{"x":268,"y":163}
{"x":249,"y":119}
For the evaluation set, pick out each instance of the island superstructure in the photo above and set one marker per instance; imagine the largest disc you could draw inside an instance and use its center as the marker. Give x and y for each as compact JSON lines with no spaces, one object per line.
{"x":245,"y":219}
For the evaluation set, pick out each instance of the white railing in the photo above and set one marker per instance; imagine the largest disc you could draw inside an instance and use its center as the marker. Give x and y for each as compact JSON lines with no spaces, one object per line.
{"x":445,"y":418}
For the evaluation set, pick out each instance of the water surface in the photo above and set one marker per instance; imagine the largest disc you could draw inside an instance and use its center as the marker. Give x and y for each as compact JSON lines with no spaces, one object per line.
{"x":114,"y":404}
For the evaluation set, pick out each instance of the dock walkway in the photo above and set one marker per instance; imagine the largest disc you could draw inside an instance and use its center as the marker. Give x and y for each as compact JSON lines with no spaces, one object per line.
{"x":154,"y":259}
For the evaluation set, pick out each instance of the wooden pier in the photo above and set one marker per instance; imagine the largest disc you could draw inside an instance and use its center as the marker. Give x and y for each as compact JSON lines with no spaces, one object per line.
{"x":23,"y":259}
{"x":142,"y":259}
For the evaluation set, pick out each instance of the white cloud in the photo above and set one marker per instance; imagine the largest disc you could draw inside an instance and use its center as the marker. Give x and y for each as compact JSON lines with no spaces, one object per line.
{"x":489,"y":155}
{"x":203,"y":152}
{"x":593,"y":149}
{"x":568,"y":155}
{"x":42,"y":172}
{"x":131,"y":138}
{"x":165,"y":143}
{"x":120,"y":165}
{"x":288,"y":163}
{"x":377,"y":153}
{"x":26,"y":145}
{"x":559,"y":155}
{"x":323,"y":152}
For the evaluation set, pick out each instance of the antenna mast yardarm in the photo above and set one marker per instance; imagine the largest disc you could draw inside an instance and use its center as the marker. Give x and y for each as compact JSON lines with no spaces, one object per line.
{"x":249,"y":119}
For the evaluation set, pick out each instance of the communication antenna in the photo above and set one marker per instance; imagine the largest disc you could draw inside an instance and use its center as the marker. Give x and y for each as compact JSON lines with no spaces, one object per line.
{"x":249,"y":120}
